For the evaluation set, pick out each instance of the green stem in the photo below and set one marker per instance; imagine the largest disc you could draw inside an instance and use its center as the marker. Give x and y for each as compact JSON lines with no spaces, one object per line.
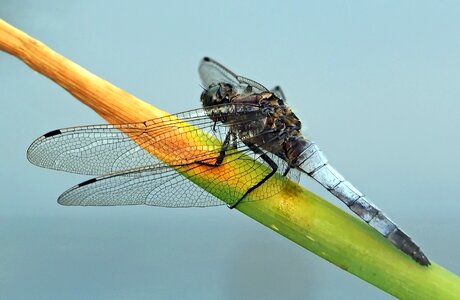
{"x":352,"y":245}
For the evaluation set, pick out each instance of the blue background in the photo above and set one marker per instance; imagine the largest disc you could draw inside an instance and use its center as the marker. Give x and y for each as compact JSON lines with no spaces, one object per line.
{"x":377,"y":85}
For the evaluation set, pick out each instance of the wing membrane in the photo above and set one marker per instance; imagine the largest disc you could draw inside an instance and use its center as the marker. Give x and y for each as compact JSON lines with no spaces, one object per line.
{"x":158,"y":186}
{"x":174,"y":186}
{"x":103,"y":149}
{"x":212,"y":72}
{"x":278,"y":92}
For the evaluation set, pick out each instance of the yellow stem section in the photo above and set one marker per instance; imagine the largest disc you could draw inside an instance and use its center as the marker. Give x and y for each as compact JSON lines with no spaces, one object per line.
{"x":295,"y":213}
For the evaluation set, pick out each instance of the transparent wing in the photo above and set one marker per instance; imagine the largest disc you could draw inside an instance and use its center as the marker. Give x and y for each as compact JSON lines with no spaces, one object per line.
{"x":165,"y":186}
{"x":138,"y":177}
{"x":278,"y":92}
{"x":256,"y":87}
{"x":212,"y":72}
{"x":173,"y":186}
{"x":103,"y":149}
{"x":158,"y":186}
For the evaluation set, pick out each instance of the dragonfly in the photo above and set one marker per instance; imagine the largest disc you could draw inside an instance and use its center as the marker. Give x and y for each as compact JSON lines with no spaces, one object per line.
{"x":244,"y":134}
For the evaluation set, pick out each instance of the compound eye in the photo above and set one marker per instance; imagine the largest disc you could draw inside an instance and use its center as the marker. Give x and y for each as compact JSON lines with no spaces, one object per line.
{"x":208,"y":97}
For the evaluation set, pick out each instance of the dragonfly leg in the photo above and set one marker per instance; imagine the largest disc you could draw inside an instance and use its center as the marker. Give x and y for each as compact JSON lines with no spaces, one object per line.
{"x":269,"y":161}
{"x":287,"y":171}
{"x":221,"y":156}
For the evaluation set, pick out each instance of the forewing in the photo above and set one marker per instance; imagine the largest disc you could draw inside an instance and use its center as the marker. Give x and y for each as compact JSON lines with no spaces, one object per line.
{"x":90,"y":150}
{"x":212,"y":72}
{"x":103,"y":149}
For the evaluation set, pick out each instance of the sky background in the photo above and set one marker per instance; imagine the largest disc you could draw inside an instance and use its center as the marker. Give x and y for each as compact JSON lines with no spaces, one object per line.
{"x":377,"y":85}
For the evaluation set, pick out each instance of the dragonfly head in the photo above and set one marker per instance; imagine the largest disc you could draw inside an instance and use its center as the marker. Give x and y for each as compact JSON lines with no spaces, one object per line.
{"x":217,"y":94}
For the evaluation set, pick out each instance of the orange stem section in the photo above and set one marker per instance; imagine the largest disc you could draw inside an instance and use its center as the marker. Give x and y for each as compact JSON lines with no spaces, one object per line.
{"x":112,"y":103}
{"x":99,"y":94}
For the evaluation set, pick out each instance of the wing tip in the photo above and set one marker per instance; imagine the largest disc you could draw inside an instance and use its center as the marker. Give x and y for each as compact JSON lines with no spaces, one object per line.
{"x":66,"y":201}
{"x":30,"y":151}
